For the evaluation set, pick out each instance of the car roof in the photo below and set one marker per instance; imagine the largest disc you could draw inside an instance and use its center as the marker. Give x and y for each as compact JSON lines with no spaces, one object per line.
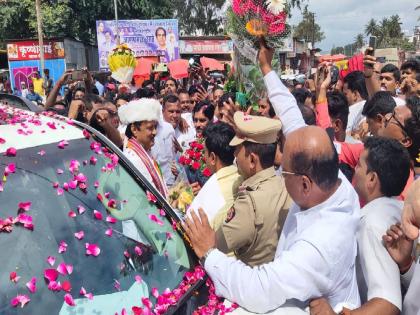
{"x":23,"y":129}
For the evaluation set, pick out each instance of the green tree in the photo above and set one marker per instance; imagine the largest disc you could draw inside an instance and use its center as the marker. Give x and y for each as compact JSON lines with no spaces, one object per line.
{"x":371,"y":29}
{"x":359,"y":41}
{"x":308,"y":29}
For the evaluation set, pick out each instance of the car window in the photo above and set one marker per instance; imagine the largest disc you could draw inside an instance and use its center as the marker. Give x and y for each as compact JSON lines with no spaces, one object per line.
{"x":84,"y":200}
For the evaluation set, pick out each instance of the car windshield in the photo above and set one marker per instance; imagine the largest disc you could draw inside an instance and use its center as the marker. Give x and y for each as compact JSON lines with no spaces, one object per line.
{"x":101,"y":227}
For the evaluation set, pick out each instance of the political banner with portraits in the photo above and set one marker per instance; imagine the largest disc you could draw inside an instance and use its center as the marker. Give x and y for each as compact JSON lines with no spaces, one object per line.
{"x":145,"y":37}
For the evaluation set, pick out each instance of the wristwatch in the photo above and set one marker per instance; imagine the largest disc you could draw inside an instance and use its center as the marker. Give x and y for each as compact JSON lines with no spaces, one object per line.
{"x":203,"y":259}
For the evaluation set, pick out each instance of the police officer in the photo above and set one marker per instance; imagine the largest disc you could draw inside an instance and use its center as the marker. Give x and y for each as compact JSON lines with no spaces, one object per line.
{"x":253,"y":225}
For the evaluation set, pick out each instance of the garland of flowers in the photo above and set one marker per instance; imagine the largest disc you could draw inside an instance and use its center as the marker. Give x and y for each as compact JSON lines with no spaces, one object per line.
{"x":170,"y":298}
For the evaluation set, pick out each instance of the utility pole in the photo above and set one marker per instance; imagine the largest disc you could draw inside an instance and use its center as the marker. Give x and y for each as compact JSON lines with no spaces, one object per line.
{"x":116,"y":21}
{"x":313,"y":30}
{"x":40,"y":36}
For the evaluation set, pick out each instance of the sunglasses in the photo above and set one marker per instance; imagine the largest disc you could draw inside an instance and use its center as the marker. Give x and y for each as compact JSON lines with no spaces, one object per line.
{"x":388,"y":118}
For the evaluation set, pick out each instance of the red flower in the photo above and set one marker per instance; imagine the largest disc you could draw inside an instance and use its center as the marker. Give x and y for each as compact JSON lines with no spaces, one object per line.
{"x":199,"y":146}
{"x":206,"y":172}
{"x":195,"y":165}
{"x":182,"y":160}
{"x":197,"y":155}
{"x":188,"y":161}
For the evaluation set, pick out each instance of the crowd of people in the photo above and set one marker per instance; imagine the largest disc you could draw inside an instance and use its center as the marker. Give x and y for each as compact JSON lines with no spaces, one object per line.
{"x":320,"y":185}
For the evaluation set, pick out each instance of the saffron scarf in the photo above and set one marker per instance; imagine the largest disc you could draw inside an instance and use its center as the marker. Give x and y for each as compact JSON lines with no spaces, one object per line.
{"x":150,"y":164}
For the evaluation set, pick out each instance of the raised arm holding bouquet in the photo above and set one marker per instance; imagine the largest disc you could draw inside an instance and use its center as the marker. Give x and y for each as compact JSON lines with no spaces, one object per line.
{"x":122,"y":63}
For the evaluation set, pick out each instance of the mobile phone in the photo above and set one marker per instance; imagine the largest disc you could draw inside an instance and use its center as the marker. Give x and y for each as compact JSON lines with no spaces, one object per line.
{"x":381,"y":59}
{"x":335,"y":72}
{"x":372,"y":44}
{"x":77,"y":75}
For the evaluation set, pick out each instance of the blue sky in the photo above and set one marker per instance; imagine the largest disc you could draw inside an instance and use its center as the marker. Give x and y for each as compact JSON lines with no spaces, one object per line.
{"x":342,"y":20}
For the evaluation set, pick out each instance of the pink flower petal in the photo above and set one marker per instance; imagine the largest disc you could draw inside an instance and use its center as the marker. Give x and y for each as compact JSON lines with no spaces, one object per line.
{"x":92,"y":249}
{"x":86,"y":134}
{"x":93,"y":160}
{"x":96,"y":184}
{"x":73,"y":184}
{"x":59,"y":171}
{"x":108,"y":232}
{"x":25,"y":205}
{"x":117,"y":285}
{"x":60,"y":191}
{"x":89,"y":296}
{"x":56,"y":184}
{"x":62,"y":248}
{"x":79,"y":235}
{"x":65,"y":269}
{"x":72,"y":214}
{"x":81,"y":209}
{"x":21,"y":300}
{"x":25,"y":220}
{"x":151,"y":197}
{"x":74,"y":166}
{"x":155,"y":219}
{"x":112,"y":203}
{"x":41,"y":153}
{"x":50,"y":275}
{"x":111,"y":219}
{"x":10,"y":152}
{"x":126,"y":254}
{"x":97,"y":215}
{"x":31,"y":285}
{"x":62,"y":144}
{"x":146,"y":302}
{"x":2,"y":141}
{"x":162,"y":213}
{"x":81,"y":177}
{"x":82,"y":291}
{"x":10,"y":169}
{"x":168,"y":235}
{"x":155,"y":292}
{"x":138,"y":250}
{"x":51,"y":125}
{"x":54,"y":286}
{"x":138,"y":279}
{"x":66,"y":286}
{"x":107,"y":194}
{"x":69,"y":299}
{"x":14,"y":277}
{"x":51,"y":260}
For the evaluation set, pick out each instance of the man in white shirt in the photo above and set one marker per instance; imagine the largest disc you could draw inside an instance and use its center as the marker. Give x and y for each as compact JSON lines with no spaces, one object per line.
{"x":354,"y":89}
{"x":315,"y":255}
{"x":163,"y":151}
{"x":172,"y":114}
{"x":399,"y":241}
{"x":380,"y":177}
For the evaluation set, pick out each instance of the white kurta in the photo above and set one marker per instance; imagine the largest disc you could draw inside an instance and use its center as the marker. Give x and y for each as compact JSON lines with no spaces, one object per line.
{"x":129,"y":227}
{"x":317,"y":249}
{"x":378,"y":275}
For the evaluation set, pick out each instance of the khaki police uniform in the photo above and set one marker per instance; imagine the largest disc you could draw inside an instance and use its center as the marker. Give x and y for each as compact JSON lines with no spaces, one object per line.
{"x":253,"y":225}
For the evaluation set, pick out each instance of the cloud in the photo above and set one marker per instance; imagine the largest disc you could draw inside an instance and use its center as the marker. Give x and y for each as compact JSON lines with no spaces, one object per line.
{"x":342,"y":20}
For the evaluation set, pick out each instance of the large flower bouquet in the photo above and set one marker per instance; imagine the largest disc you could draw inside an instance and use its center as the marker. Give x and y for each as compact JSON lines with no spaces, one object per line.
{"x":249,"y":20}
{"x":122,"y":63}
{"x":195,"y":163}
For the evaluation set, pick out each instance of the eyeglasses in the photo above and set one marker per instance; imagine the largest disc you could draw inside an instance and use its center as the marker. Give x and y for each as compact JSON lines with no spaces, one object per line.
{"x":397,"y":122}
{"x":295,"y":174}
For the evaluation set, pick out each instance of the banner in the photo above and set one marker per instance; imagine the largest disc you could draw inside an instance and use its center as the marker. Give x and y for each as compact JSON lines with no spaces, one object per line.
{"x":208,"y":46}
{"x":29,"y":50}
{"x":144,"y":37}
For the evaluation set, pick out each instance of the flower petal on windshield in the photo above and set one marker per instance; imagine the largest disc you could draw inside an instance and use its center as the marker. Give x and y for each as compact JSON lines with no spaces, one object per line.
{"x":79,"y":235}
{"x":26,"y":205}
{"x":155,"y":219}
{"x":92,"y":249}
{"x":14,"y":277}
{"x":108,"y":232}
{"x":51,"y":260}
{"x":50,"y":275}
{"x":63,"y":247}
{"x":69,"y":299}
{"x":21,"y":300}
{"x":31,"y":285}
{"x":10,"y":152}
{"x":97,"y":215}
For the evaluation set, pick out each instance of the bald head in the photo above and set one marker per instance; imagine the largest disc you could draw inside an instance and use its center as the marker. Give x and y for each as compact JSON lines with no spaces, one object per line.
{"x":310,"y":151}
